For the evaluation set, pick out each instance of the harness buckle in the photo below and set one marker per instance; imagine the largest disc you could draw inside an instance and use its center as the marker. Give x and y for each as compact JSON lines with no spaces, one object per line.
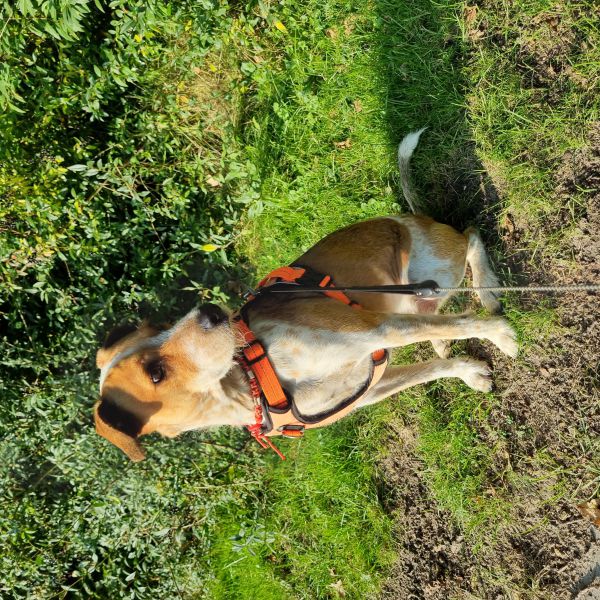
{"x":250,"y":292}
{"x":291,"y":431}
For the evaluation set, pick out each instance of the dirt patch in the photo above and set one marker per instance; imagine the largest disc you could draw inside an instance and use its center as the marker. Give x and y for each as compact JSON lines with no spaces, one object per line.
{"x":433,"y":560}
{"x":545,"y":425}
{"x":544,"y":45}
{"x":549,"y":409}
{"x":542,"y":48}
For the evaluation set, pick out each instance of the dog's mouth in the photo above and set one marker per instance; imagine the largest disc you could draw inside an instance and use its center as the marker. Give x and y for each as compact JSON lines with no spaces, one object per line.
{"x":210,"y":316}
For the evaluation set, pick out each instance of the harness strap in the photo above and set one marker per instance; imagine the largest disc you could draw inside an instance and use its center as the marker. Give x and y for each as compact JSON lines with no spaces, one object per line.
{"x":304,"y":276}
{"x":288,"y":274}
{"x":261,"y":366}
{"x":256,"y":429}
{"x":291,"y":424}
{"x":276,"y":414}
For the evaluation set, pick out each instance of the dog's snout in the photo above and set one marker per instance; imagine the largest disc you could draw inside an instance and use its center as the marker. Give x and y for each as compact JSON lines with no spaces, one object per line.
{"x":210,"y":315}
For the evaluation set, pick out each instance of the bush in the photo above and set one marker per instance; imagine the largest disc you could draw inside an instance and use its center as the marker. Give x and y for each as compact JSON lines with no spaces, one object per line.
{"x":135,"y":136}
{"x":116,"y":189}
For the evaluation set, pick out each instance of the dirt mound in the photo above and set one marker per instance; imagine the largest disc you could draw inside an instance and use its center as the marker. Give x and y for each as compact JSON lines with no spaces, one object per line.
{"x":550,"y":403}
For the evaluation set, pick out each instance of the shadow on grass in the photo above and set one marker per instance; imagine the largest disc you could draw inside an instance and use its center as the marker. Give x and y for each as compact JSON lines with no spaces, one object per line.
{"x":421,"y":60}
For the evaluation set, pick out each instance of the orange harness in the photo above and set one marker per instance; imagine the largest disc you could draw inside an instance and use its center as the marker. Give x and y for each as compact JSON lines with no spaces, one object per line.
{"x":274,"y":410}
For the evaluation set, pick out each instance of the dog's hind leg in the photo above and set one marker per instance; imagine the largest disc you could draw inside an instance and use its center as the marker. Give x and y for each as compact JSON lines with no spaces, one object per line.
{"x":476,"y":374}
{"x":442,"y":347}
{"x":483,"y":276}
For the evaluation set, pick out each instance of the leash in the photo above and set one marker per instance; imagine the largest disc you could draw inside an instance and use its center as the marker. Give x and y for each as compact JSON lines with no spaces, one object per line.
{"x":425,"y":289}
{"x":270,"y":399}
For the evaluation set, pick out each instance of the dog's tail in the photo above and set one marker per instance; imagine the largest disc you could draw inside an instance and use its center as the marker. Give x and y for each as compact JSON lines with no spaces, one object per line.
{"x":405,"y":149}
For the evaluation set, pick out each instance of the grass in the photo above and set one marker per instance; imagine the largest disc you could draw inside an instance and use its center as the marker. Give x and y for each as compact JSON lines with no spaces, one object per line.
{"x":467,"y":75}
{"x":321,"y":173}
{"x":534,"y":90}
{"x":319,"y":528}
{"x":137,"y":158}
{"x":458,"y":462}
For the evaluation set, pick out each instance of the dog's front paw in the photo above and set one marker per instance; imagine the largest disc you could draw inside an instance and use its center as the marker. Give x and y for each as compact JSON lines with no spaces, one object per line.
{"x":475,"y":373}
{"x":505,"y":337}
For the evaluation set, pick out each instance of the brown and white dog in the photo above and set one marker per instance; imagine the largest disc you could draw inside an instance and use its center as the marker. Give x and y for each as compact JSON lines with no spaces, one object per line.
{"x":186,"y":377}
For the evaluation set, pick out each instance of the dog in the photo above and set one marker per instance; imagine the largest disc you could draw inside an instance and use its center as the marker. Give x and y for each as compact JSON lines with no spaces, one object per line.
{"x":320,"y":350}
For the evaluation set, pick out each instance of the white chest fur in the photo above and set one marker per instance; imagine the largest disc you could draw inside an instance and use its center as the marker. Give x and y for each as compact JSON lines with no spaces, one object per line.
{"x":318,"y":367}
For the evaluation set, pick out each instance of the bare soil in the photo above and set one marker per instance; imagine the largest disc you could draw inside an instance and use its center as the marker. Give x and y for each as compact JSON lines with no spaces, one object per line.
{"x":433,"y":560}
{"x":545,"y":424}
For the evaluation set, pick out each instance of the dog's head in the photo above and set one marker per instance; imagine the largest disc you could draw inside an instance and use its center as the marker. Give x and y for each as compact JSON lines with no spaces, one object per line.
{"x":162,"y":379}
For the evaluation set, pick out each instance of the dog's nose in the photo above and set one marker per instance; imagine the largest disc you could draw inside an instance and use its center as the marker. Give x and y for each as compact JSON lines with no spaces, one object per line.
{"x":210,"y":315}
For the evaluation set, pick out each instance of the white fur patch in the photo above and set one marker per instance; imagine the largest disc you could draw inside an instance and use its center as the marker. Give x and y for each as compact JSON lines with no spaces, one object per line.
{"x":408,"y":144}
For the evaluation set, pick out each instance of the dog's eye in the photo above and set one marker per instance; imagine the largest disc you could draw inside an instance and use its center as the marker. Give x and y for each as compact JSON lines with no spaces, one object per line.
{"x":156,"y":372}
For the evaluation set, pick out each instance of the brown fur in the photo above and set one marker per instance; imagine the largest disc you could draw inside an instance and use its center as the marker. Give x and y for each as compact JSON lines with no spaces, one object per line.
{"x":384,"y":244}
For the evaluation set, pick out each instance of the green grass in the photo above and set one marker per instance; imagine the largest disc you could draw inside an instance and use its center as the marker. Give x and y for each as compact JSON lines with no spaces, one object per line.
{"x":458,"y":463}
{"x":164,"y":147}
{"x":416,"y":64}
{"x":357,"y":79}
{"x":319,"y":525}
{"x":523,"y":120}
{"x":366,"y":69}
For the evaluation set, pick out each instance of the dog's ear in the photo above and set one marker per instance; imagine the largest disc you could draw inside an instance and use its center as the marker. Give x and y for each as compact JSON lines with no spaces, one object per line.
{"x":120,"y":427}
{"x":114,"y":336}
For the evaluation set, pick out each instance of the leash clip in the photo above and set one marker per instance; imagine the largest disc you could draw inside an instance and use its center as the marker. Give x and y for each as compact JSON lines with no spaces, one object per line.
{"x":425,"y":289}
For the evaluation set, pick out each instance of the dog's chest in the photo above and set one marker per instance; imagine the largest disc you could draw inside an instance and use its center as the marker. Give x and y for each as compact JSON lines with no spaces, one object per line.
{"x":318,"y":368}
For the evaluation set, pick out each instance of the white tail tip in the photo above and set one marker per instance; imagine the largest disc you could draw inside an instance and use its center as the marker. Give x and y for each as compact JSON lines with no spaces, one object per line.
{"x":408,"y":144}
